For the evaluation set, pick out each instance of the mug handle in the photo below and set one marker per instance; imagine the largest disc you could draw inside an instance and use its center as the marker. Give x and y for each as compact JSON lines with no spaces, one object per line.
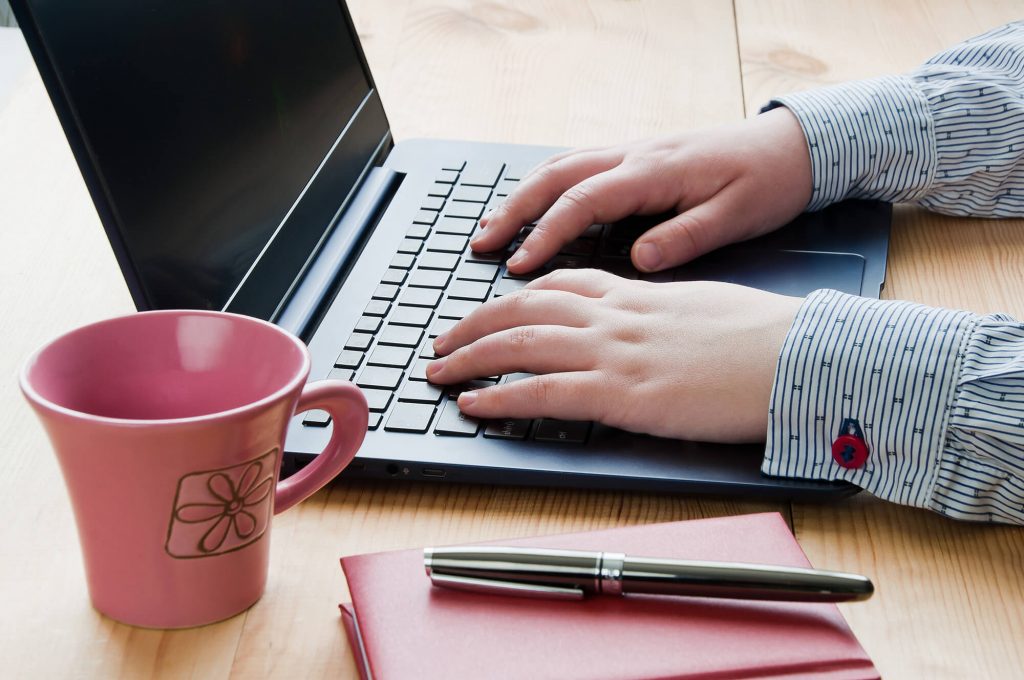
{"x":347,"y":408}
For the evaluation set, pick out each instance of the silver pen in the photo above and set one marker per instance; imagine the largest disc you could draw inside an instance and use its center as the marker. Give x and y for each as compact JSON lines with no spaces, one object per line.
{"x":572,"y":574}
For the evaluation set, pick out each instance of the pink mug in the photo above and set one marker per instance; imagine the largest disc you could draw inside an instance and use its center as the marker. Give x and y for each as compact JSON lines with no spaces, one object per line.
{"x":169,"y":428}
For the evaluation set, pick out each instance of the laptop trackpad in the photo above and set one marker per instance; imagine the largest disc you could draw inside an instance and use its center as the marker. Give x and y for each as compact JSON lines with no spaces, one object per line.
{"x":787,"y":272}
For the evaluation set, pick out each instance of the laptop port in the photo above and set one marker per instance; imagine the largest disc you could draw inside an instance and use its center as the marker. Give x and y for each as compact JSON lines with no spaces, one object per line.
{"x":433,"y":472}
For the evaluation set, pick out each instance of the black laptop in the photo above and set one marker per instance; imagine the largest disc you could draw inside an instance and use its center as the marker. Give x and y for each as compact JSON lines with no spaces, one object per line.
{"x":240,"y":159}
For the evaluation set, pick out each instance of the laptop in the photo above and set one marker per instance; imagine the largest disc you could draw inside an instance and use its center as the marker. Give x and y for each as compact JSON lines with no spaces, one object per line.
{"x":240,"y":159}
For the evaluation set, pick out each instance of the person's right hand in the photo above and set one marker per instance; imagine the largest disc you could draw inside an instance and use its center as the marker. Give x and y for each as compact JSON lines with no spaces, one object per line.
{"x":727,"y":184}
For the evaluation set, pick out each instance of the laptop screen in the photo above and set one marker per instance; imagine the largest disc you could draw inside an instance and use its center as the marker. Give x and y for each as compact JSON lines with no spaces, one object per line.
{"x":202,"y":123}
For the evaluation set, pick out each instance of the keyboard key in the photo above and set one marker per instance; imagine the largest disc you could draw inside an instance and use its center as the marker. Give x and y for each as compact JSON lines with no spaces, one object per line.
{"x":581,"y":247}
{"x":348,"y":359}
{"x":455,"y":423}
{"x":493,"y":257}
{"x":514,"y":172}
{"x":385,"y":291}
{"x":422,"y":392}
{"x":447,"y":177}
{"x":481,"y":174}
{"x":469,"y":290}
{"x":395,"y":276}
{"x":506,"y":186}
{"x":474,"y":271}
{"x":457,"y":166}
{"x":412,"y":246}
{"x":401,"y":336}
{"x":402,"y":261}
{"x":412,"y":316}
{"x":456,"y":309}
{"x":447,"y":243}
{"x":396,"y":357}
{"x":340,"y":374}
{"x":455,"y":225}
{"x":410,"y":417}
{"x":567,"y":262}
{"x":369,"y":324}
{"x":316,"y":418}
{"x":374,"y":421}
{"x":566,"y":431}
{"x":471,"y":193}
{"x":419,"y":369}
{"x":380,"y":377}
{"x":377,"y":308}
{"x":378,"y":400}
{"x":442,"y":326}
{"x":455,"y":390}
{"x":429,"y":278}
{"x":462,"y":209}
{"x":359,"y":341}
{"x":506,"y":286}
{"x":509,"y":428}
{"x":513,"y":377}
{"x":420,"y":297}
{"x":420,"y":231}
{"x":427,"y":217}
{"x":432,"y":203}
{"x":440,"y":190}
{"x":445,"y":261}
{"x":427,"y":349}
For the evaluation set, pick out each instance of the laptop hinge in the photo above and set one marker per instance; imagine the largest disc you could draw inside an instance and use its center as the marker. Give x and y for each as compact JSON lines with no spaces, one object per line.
{"x":310,"y":299}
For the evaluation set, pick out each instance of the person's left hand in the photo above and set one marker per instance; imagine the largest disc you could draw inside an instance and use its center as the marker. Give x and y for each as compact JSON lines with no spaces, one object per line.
{"x":684,"y":360}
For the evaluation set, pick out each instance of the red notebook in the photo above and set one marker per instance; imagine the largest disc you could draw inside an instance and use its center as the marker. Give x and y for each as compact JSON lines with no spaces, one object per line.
{"x":400,"y":626}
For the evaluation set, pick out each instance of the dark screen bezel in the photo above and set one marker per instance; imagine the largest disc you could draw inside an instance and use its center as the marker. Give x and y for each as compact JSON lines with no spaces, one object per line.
{"x":264,"y":289}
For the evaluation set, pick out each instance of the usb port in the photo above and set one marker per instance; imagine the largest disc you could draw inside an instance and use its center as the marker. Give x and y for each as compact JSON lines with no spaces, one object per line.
{"x":433,"y":472}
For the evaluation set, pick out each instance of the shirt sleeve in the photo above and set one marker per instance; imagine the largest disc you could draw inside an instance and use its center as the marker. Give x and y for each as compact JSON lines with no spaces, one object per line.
{"x":948,"y":136}
{"x":938,"y":394}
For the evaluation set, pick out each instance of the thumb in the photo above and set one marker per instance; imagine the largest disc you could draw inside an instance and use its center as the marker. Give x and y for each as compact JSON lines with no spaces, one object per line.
{"x":709,"y":225}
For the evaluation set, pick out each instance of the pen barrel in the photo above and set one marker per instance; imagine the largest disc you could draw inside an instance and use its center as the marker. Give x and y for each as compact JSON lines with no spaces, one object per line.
{"x":740,"y":581}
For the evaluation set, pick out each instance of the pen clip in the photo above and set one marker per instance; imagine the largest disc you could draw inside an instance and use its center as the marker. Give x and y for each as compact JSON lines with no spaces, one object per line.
{"x":497,"y":587}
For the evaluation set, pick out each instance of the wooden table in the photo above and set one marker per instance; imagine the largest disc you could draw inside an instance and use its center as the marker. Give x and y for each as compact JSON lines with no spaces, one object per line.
{"x":950,"y":599}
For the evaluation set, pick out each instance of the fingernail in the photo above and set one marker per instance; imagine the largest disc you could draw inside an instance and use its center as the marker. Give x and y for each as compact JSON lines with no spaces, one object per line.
{"x":648,"y":256}
{"x":467,"y":399}
{"x":439,"y":341}
{"x":435,"y":367}
{"x":518,"y":258}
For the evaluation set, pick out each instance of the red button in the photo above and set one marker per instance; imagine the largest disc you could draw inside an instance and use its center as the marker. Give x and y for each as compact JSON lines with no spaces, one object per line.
{"x":849,"y":451}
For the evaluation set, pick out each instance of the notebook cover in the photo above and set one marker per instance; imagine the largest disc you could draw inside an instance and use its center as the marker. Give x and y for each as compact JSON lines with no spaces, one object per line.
{"x":406,"y":628}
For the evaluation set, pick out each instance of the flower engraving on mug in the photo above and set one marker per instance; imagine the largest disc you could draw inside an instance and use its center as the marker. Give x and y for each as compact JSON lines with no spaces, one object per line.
{"x":223,"y":510}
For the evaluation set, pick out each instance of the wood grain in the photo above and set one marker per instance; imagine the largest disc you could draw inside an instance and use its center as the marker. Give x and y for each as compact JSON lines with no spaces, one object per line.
{"x":950,"y":600}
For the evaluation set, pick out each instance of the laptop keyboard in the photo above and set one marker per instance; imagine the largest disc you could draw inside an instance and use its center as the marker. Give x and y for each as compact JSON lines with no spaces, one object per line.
{"x":433,"y":281}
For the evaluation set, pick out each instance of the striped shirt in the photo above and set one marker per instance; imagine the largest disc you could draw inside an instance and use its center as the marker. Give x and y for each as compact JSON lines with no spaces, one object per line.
{"x":937,"y":394}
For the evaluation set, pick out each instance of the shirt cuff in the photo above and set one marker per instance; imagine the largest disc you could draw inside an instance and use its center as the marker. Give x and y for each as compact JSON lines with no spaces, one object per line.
{"x":892,"y":366}
{"x":867,"y":139}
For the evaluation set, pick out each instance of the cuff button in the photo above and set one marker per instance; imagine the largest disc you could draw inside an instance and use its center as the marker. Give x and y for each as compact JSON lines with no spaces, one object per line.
{"x":849,"y":451}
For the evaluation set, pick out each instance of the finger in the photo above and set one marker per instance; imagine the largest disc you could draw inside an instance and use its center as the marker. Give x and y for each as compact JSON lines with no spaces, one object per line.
{"x":566,"y":154}
{"x":530,"y":349}
{"x":535,"y":194}
{"x":722,"y":219}
{"x":604,"y":197}
{"x":592,"y":283}
{"x":550,"y":160}
{"x":567,"y":396}
{"x":521,"y":308}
